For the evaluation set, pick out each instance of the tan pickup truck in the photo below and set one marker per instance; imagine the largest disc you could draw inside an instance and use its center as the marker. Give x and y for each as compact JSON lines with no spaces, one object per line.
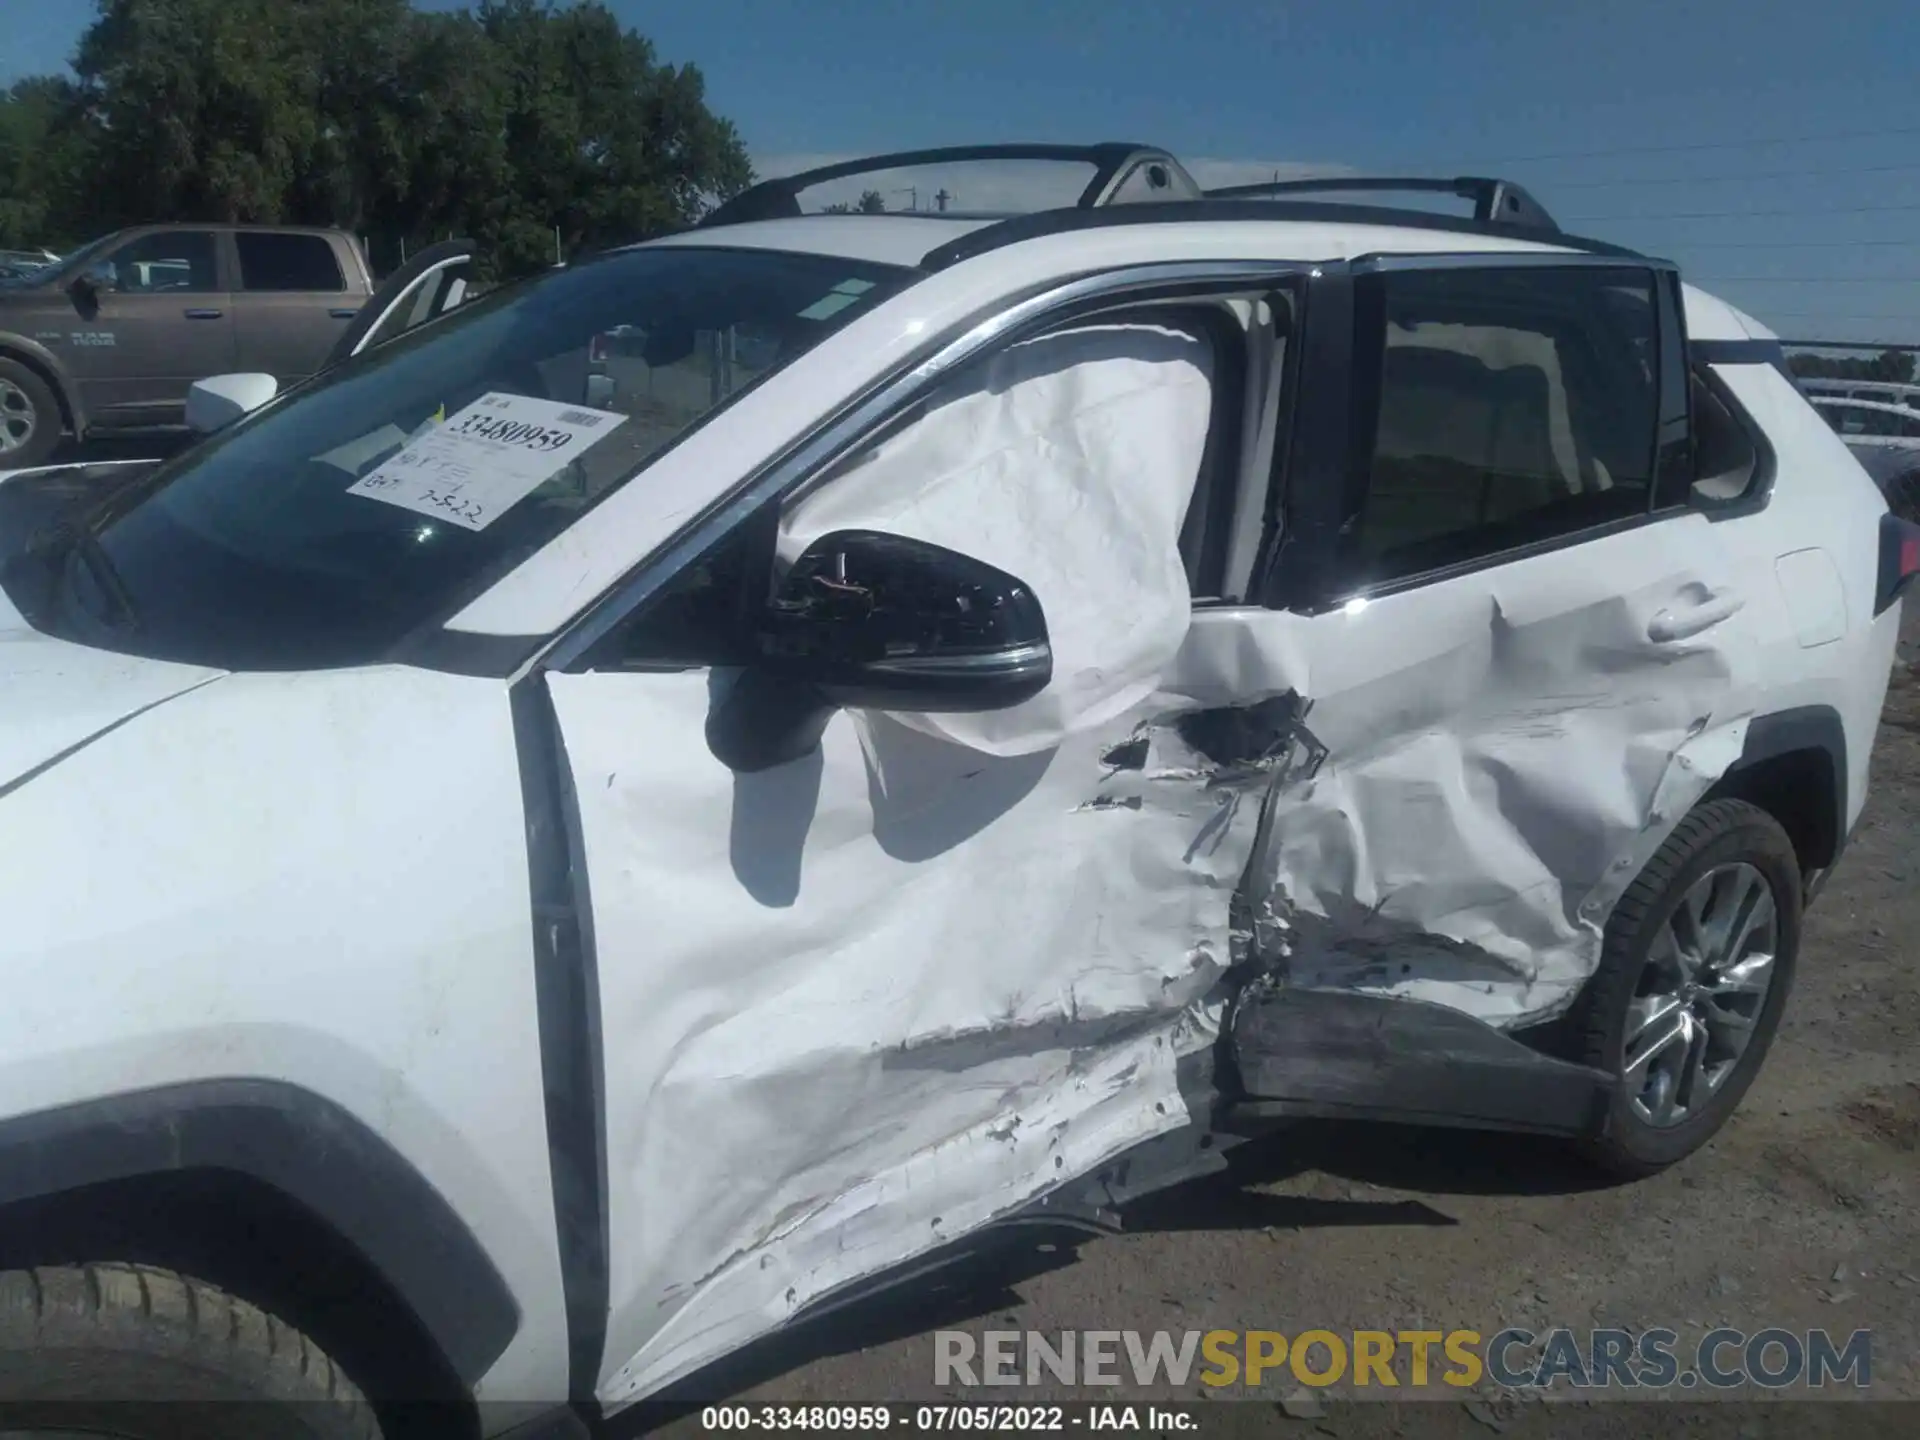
{"x":111,"y":338}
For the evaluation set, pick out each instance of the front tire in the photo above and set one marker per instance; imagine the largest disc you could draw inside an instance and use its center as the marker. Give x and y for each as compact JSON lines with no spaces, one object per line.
{"x":93,"y":1347}
{"x":1694,"y":974}
{"x":30,"y":423}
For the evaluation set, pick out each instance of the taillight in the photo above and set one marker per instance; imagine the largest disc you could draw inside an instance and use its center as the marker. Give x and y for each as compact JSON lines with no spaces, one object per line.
{"x":1899,"y":559}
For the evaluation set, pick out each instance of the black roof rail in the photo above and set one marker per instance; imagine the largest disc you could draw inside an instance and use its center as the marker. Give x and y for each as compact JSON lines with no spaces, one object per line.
{"x":1112,"y":160}
{"x":1494,"y":201}
{"x":1174,"y":212}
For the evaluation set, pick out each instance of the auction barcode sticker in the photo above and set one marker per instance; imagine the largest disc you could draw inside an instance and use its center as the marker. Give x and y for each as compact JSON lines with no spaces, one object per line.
{"x":486,"y":458}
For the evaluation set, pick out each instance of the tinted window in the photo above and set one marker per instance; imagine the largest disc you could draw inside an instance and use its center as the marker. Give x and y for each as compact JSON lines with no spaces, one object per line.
{"x":249,"y":551}
{"x":1512,"y":406}
{"x":287,"y":262}
{"x":181,"y":260}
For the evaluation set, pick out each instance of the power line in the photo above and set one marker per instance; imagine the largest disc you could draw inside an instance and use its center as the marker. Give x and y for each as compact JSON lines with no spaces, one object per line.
{"x":1913,"y":244}
{"x":1803,"y":212}
{"x":1807,"y":279}
{"x":1880,"y":319}
{"x":1699,"y":147}
{"x":1716,"y":179}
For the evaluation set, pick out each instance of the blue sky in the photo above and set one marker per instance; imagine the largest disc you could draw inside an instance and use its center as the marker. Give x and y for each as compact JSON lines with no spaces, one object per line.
{"x":1772,"y":147}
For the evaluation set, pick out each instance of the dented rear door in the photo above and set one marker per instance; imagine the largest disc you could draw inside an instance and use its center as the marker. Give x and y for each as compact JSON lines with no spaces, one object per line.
{"x":1522,"y":658}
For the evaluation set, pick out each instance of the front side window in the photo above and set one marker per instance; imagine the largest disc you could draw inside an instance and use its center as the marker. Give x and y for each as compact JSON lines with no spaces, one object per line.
{"x":1510,"y":406}
{"x":181,"y":260}
{"x":262,"y":548}
{"x":270,"y":261}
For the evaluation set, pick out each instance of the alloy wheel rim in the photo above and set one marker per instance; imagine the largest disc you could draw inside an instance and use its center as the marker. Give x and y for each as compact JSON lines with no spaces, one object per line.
{"x":1701,"y":994}
{"x":17,"y":418}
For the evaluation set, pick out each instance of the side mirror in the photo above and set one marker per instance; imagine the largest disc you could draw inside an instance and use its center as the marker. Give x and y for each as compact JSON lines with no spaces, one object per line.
{"x":866,"y":620}
{"x":97,"y":278}
{"x":215,"y":403}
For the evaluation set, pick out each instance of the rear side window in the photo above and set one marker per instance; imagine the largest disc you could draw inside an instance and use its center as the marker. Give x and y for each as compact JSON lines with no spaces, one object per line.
{"x":1729,"y":454}
{"x":287,"y":262}
{"x":1505,"y":407}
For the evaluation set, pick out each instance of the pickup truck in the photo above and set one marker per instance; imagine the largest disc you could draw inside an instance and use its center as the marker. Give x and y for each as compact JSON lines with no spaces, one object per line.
{"x":111,"y":338}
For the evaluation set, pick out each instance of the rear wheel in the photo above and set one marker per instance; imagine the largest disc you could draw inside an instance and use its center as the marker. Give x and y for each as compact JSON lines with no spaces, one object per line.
{"x":29,"y":417}
{"x":90,"y":1349}
{"x":1694,"y":974}
{"x":1903,"y":495}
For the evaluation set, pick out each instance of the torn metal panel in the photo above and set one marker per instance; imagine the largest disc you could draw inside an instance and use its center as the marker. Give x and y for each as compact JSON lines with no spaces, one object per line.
{"x":1488,"y":764}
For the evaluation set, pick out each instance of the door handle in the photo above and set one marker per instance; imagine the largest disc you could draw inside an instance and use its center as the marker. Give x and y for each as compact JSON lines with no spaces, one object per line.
{"x":1689,"y":620}
{"x":204,"y":314}
{"x":341,"y":314}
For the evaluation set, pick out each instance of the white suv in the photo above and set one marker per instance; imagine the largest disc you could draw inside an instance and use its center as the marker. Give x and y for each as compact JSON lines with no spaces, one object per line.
{"x":524,"y":894}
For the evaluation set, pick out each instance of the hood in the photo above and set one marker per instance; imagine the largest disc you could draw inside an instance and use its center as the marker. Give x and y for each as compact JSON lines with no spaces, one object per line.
{"x":56,"y":696}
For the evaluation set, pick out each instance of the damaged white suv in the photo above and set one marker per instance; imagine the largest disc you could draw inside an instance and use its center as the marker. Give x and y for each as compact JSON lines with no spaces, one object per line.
{"x":601,"y":827}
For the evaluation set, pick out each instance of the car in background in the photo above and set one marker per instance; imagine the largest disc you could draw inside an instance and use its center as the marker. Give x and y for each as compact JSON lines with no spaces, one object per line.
{"x":110,"y":339}
{"x":1866,"y":424}
{"x":1885,"y":439}
{"x":17,"y":264}
{"x":1884,"y":392}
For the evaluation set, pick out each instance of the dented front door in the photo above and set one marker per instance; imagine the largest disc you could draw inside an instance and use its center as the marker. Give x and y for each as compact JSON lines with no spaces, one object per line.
{"x":861,"y":1004}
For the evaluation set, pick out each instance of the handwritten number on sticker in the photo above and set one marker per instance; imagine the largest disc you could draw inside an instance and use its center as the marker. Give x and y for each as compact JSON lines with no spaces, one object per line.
{"x":454,"y":504}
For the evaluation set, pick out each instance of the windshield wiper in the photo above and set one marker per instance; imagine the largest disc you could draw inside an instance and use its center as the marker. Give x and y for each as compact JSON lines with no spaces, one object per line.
{"x":75,"y":538}
{"x":106,"y":575}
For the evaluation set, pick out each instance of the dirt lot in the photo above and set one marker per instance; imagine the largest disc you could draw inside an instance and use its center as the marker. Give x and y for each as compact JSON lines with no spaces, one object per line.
{"x":1804,"y":1213}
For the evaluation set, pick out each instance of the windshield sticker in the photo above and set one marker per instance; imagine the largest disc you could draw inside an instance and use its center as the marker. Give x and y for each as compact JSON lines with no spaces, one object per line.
{"x":829,"y":304}
{"x":486,"y":458}
{"x":836,"y":299}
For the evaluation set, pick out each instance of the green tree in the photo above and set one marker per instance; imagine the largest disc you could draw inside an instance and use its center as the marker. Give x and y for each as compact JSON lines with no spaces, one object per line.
{"x":871,"y":202}
{"x":39,"y":164}
{"x":506,"y":122}
{"x":1894,"y":365}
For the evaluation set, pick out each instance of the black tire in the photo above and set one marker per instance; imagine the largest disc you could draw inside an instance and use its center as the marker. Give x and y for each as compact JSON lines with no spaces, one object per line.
{"x":94,"y":1347}
{"x":1715,"y":834}
{"x":27,"y":400}
{"x":1903,"y":495}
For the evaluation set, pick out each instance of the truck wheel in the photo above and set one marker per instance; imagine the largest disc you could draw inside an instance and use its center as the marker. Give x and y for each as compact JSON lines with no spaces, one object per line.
{"x":89,"y":1348}
{"x":29,"y":417}
{"x":1693,"y":976}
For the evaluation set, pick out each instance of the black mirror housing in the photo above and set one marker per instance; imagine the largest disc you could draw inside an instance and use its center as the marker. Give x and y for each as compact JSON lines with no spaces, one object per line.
{"x":95,"y":279}
{"x":884,"y":622}
{"x":867,"y":620}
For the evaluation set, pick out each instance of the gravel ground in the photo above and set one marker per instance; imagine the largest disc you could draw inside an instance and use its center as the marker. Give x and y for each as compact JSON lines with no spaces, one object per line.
{"x":1804,"y":1213}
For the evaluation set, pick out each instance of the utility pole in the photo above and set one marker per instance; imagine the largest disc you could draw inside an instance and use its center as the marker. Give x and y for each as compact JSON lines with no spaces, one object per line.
{"x":942,"y":198}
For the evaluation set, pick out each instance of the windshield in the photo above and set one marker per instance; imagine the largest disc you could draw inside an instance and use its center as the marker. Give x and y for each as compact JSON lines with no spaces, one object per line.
{"x":387,"y":492}
{"x":64,"y":267}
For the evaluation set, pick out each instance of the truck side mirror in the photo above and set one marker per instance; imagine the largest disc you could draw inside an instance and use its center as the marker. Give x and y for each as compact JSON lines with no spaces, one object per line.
{"x":96,"y":279}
